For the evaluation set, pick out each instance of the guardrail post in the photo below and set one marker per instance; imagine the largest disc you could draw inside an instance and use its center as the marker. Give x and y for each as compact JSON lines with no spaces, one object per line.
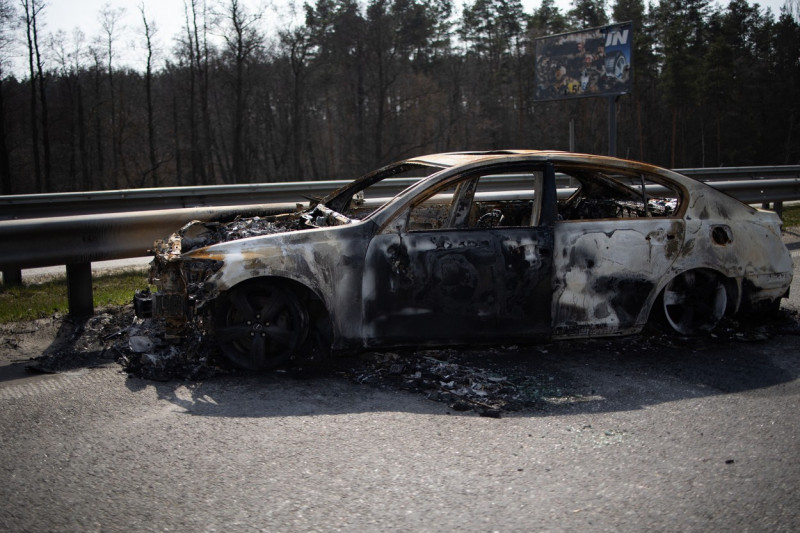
{"x":12,"y":277}
{"x":776,"y":206}
{"x":79,"y":290}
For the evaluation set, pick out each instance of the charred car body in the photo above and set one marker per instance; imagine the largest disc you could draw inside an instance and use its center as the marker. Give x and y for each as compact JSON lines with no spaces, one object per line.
{"x":448,"y":262}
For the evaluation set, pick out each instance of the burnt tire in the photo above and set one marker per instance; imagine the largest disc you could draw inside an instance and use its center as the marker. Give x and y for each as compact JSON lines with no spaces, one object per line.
{"x":260,"y":324}
{"x":694,"y":302}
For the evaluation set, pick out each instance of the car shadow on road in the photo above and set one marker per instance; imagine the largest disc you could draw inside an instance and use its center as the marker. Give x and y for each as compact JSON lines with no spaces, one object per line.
{"x":603,"y":375}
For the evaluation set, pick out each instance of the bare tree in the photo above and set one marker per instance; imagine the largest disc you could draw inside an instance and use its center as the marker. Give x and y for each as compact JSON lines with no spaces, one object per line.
{"x":43,"y":100}
{"x":242,"y":39}
{"x":194,"y":148}
{"x":96,"y":55}
{"x":110,"y":21}
{"x":30,"y":10}
{"x":79,"y":38}
{"x":149,"y":33}
{"x":299,"y":50}
{"x":7,"y":26}
{"x":57,"y":44}
{"x":792,"y":7}
{"x":68,"y":54}
{"x":197,"y":31}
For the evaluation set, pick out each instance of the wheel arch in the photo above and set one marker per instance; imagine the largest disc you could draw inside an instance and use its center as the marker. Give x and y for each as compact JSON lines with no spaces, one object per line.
{"x":732,"y":285}
{"x":302,"y":290}
{"x":317,"y":306}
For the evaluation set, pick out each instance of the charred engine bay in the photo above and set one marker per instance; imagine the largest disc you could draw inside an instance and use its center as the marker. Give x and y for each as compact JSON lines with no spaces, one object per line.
{"x":198,"y":234}
{"x":489,"y":381}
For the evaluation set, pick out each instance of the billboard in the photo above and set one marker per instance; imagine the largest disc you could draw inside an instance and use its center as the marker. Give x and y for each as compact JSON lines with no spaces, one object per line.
{"x":593,"y":62}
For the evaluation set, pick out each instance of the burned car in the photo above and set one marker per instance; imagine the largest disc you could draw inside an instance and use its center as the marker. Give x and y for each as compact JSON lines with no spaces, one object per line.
{"x":455,"y":259}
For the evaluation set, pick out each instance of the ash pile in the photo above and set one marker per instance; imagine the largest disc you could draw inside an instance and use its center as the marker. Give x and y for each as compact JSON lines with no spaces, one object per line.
{"x":462,"y":379}
{"x":116,"y":336}
{"x":144,"y":352}
{"x":80,"y":343}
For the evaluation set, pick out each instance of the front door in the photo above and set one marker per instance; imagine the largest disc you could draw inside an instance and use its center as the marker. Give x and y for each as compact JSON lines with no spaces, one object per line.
{"x":462,"y":266}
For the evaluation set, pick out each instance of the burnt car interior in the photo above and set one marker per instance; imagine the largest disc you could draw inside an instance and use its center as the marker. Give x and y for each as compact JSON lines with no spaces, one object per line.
{"x":466,"y":204}
{"x":599,"y":195}
{"x":603,"y":195}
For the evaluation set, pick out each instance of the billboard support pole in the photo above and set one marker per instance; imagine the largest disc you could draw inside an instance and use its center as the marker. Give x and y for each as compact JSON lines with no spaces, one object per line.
{"x":572,"y":135}
{"x":612,"y":124}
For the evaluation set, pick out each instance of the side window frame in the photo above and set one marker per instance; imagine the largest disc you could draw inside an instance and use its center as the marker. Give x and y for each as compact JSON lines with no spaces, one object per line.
{"x":463,"y":199}
{"x":631,"y":188}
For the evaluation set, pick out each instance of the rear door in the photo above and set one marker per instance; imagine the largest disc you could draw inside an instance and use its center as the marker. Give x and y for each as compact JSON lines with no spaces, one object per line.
{"x":616,"y":238}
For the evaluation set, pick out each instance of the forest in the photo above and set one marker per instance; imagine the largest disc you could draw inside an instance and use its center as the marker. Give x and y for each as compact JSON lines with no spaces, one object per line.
{"x":359,"y":84}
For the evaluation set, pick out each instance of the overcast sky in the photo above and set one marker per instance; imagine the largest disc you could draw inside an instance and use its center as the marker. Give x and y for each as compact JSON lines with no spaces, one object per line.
{"x":169,"y":16}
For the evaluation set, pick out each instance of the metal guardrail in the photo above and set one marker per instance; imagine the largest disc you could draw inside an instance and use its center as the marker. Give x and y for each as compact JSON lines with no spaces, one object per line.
{"x":85,"y":203}
{"x":38,"y":242}
{"x":761,"y":191}
{"x":77,"y":240}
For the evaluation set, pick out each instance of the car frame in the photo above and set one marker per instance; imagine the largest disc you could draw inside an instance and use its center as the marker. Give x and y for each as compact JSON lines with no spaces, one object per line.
{"x":450,"y":260}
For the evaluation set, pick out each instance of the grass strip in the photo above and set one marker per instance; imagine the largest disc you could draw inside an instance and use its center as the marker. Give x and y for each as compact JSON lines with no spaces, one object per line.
{"x":38,"y":300}
{"x":791,"y":216}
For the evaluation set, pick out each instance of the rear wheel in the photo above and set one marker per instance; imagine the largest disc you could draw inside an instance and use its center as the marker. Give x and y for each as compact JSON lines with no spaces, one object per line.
{"x":694,"y":302}
{"x":260,"y":325}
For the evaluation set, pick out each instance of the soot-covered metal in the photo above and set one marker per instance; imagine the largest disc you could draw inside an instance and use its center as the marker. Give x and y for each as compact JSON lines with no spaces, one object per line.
{"x":451,"y":261}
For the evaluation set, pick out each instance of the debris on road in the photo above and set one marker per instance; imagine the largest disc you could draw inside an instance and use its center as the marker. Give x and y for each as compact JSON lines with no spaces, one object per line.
{"x":147,"y":354}
{"x":460,"y":378}
{"x":77,"y":343}
{"x":488,"y":381}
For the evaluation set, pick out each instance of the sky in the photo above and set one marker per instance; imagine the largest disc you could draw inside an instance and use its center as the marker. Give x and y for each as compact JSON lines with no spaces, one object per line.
{"x":169,"y":18}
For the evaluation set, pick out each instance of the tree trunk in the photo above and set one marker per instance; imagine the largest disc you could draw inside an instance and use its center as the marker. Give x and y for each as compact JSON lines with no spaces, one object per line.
{"x":86,"y":177}
{"x":29,"y":15}
{"x":176,"y":137}
{"x":45,"y":121}
{"x":5,"y":162}
{"x":112,"y":97}
{"x":98,"y":128}
{"x":238,"y":119}
{"x":674,"y":136}
{"x":151,"y":131}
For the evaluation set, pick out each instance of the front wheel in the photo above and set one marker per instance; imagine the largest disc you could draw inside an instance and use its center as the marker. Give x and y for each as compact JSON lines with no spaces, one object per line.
{"x":260,"y":325}
{"x":694,"y":302}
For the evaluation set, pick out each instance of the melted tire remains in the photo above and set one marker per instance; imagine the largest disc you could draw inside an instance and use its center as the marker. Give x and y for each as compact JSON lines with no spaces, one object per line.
{"x":694,"y":302}
{"x":260,"y":324}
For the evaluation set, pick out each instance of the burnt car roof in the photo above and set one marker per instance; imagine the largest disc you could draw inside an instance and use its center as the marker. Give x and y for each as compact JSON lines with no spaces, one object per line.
{"x":447,"y":160}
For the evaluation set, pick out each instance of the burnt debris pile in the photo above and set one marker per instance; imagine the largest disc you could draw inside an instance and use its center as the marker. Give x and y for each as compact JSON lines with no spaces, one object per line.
{"x":115,"y":335}
{"x":145,"y":353}
{"x":463,"y":379}
{"x":80,"y":344}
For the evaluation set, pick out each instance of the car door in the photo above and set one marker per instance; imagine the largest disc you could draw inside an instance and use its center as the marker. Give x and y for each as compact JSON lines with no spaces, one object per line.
{"x":616,"y":237}
{"x":460,"y":265}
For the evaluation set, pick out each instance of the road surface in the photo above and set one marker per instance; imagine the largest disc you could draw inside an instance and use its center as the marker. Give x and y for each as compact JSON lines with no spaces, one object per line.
{"x":688,"y":436}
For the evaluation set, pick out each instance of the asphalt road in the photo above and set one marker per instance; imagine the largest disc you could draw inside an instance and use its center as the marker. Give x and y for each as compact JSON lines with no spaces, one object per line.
{"x":692,"y":437}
